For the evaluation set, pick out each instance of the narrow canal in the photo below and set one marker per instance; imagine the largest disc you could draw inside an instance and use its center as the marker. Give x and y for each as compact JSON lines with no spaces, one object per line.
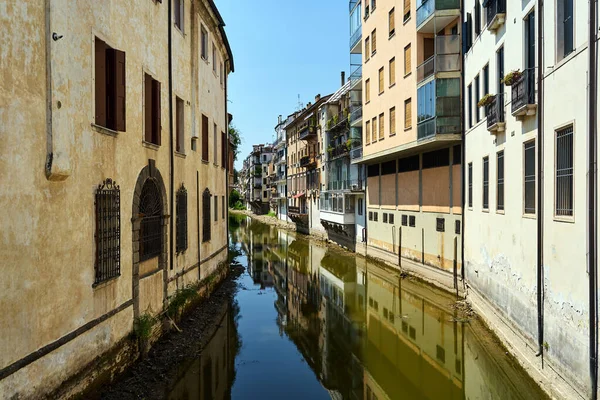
{"x":314,"y":322}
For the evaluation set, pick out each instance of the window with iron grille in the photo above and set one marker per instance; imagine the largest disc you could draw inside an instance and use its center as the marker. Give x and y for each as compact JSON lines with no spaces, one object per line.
{"x":470,"y":184}
{"x":108,"y":231}
{"x":405,"y":220}
{"x":457,"y":227}
{"x":564,"y":172}
{"x":412,"y":221}
{"x":216,"y":207}
{"x":500,"y":182}
{"x":151,"y":225}
{"x":486,"y":183}
{"x":182,"y":237}
{"x":529,"y":177}
{"x":385,"y":218}
{"x":440,"y":224}
{"x":206,"y":215}
{"x":375,"y":216}
{"x":370,"y":215}
{"x":391,"y":218}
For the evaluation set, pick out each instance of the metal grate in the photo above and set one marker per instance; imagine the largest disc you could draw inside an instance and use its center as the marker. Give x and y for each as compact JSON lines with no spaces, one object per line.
{"x":564,"y":172}
{"x":375,"y":216}
{"x":151,"y":224}
{"x":385,"y":218}
{"x":412,"y":221}
{"x":370,"y":215}
{"x":500,"y":182}
{"x":108,"y":231}
{"x":404,"y":220}
{"x":486,"y":183}
{"x":182,"y":217}
{"x":457,"y":227}
{"x":529,"y":178}
{"x":391,"y":218}
{"x":440,"y":224}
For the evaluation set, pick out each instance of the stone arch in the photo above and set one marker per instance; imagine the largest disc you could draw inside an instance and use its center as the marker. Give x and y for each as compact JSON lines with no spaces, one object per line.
{"x":148,"y":175}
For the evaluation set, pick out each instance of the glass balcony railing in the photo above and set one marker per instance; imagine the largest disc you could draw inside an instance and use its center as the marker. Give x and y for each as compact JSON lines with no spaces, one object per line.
{"x":356,"y":75}
{"x":355,"y":38}
{"x":428,"y":7}
{"x":355,"y":113}
{"x":445,"y":59}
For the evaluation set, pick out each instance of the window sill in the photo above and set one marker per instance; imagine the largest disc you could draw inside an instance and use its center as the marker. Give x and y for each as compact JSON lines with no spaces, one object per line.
{"x":373,"y":53}
{"x":178,"y":29}
{"x":150,"y":146}
{"x":529,"y":216}
{"x":392,"y":85}
{"x":392,"y":35}
{"x":568,"y":220}
{"x":406,"y":19}
{"x":367,"y":102}
{"x":407,"y":74}
{"x":104,"y":131}
{"x":485,"y":210}
{"x":180,"y":155}
{"x":380,"y":93}
{"x":501,"y":212}
{"x":392,"y":134}
{"x":407,"y":129}
{"x":105,"y":283}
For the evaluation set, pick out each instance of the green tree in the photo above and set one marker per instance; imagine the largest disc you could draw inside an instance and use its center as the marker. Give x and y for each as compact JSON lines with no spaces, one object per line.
{"x":236,"y":139}
{"x":234,"y":197}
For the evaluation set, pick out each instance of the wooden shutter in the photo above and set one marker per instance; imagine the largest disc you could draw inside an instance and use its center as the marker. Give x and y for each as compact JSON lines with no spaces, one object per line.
{"x":148,"y":108}
{"x":392,"y":22}
{"x":407,"y":59}
{"x":204,"y":138}
{"x":381,"y":126}
{"x":392,"y":71}
{"x":406,"y":7}
{"x":120,"y":91}
{"x":381,"y":80}
{"x":368,"y":132}
{"x":100,"y":83}
{"x":374,"y":129}
{"x":156,"y":112}
{"x":392,"y":121}
{"x":367,"y":90}
{"x":223,"y":151}
{"x":407,"y":114}
{"x":367,"y":50}
{"x":373,"y":41}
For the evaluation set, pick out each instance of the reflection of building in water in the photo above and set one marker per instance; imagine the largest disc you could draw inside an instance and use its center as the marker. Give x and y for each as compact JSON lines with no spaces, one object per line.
{"x":261,"y":236}
{"x":212,"y":374}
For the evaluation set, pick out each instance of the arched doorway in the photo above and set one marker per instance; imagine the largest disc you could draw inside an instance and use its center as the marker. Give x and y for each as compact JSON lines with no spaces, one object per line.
{"x":149,"y":241}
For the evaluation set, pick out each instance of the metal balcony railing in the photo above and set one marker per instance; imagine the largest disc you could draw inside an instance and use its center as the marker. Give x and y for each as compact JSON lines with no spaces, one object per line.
{"x":523,"y":91}
{"x":295,"y":210}
{"x":338,"y":151}
{"x":306,"y":161}
{"x":493,"y":8}
{"x":428,"y":7}
{"x":307,"y":132}
{"x":349,"y":184}
{"x":495,"y":111}
{"x":356,"y":153}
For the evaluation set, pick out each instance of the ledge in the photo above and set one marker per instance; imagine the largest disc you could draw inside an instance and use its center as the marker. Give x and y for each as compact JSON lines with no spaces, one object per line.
{"x":104,"y":131}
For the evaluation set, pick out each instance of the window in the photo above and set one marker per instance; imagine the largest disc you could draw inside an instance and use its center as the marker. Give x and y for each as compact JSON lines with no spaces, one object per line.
{"x":216,"y":208}
{"x":204,"y":138}
{"x":564,"y":172}
{"x":367,"y":48}
{"x":381,"y":127}
{"x":151,"y":225}
{"x":374,"y":126}
{"x":373,"y":5}
{"x":407,"y":114}
{"x":470,"y":105}
{"x":215,"y":141}
{"x":182,"y":237}
{"x":108,"y":231}
{"x":223,"y":147}
{"x":375,"y":216}
{"x":381,"y":82}
{"x":392,"y":121}
{"x":392,"y":23}
{"x":222,"y":207}
{"x":152,"y":113}
{"x":221,"y":72}
{"x":179,"y":134}
{"x":203,"y":43}
{"x":529,"y":178}
{"x":470,"y":185}
{"x":440,"y":224}
{"x":412,"y":221}
{"x":214,"y":57}
{"x":457,"y":227}
{"x":477,"y":17}
{"x":392,"y":71}
{"x":404,"y":220}
{"x":486,"y":183}
{"x":477,"y":97}
{"x":391,"y":218}
{"x":564,"y":28}
{"x":500,"y":181}
{"x":370,"y":215}
{"x":374,"y":42}
{"x":486,"y":79}
{"x":407,"y":60}
{"x":500,"y":69}
{"x":179,"y":15}
{"x":367,"y":90}
{"x":368,"y":132}
{"x":406,"y":10}
{"x":110,"y":84}
{"x":385,"y":218}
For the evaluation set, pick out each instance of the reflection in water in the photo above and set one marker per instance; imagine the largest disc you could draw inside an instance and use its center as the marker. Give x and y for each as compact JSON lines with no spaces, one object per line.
{"x":346,"y":329}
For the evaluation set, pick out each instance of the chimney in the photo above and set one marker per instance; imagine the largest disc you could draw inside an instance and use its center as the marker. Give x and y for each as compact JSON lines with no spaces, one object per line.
{"x":343,"y":78}
{"x":279,"y":119}
{"x":317,"y":98}
{"x":308,"y":105}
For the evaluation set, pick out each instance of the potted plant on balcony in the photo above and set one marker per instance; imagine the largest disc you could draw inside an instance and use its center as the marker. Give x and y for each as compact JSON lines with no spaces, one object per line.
{"x":512,"y":77}
{"x":329,"y":150}
{"x":329,"y":122}
{"x":486,"y":100}
{"x":335,"y":119}
{"x":348,"y":144}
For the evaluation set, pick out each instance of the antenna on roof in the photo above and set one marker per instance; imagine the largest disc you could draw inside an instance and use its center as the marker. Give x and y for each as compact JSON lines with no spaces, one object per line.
{"x":300,"y":106}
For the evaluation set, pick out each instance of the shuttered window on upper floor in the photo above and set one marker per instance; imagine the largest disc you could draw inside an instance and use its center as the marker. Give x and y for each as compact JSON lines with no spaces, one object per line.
{"x":110,"y":86}
{"x":152,"y":110}
{"x":204,"y":138}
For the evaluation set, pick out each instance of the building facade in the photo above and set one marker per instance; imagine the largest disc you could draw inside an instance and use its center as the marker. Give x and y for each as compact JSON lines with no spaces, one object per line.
{"x":259,"y":190}
{"x":280,"y":161}
{"x":109,"y":208}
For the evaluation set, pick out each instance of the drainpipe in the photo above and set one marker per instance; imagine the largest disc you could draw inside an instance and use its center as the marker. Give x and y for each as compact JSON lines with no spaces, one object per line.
{"x":171,"y":156}
{"x":226,"y":205}
{"x":540,"y":187}
{"x":463,"y":150}
{"x":592,"y":199}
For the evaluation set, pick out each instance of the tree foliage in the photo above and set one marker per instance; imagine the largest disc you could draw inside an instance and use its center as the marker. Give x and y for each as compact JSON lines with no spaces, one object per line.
{"x":236,"y":139}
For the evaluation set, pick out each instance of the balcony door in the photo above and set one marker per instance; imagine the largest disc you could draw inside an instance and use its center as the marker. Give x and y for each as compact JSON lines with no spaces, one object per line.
{"x":530,"y":52}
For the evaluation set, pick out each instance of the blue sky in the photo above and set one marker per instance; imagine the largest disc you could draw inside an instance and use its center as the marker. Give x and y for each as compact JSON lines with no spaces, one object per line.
{"x":282,"y":49}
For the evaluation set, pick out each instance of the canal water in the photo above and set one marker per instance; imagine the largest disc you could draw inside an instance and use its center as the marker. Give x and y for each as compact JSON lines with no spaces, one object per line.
{"x":311,"y":321}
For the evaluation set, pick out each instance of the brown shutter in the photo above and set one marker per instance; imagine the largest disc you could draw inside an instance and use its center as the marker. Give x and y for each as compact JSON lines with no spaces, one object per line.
{"x":100,"y":73}
{"x":120,"y":91}
{"x":148,"y":108}
{"x":406,"y":7}
{"x":223,"y":150}
{"x":381,"y":80}
{"x":156,"y":113}
{"x":407,"y":114}
{"x":374,"y":41}
{"x":381,"y":126}
{"x":392,"y":22}
{"x":392,"y":71}
{"x":392,"y":121}
{"x":407,"y":59}
{"x":204,"y":138}
{"x":368,"y":131}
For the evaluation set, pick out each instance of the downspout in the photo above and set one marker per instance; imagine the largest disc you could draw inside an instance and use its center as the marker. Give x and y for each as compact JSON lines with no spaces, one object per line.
{"x":463,"y":151}
{"x":540,"y":187}
{"x":226,"y":205}
{"x":592,"y":200}
{"x":171,"y":156}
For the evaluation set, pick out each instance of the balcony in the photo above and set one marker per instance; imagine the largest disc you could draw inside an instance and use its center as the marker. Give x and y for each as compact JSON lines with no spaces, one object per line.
{"x":434,"y":15}
{"x":495,"y":114}
{"x":445,"y":59}
{"x":296,"y":210}
{"x":338,"y":151}
{"x":356,"y":113}
{"x":356,"y":154}
{"x":438,"y":109}
{"x":338,"y":122}
{"x":356,"y":76}
{"x":307,"y":131}
{"x":523,"y":95}
{"x":496,"y":13}
{"x":355,"y":41}
{"x":307,"y":161}
{"x":354,"y":185}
